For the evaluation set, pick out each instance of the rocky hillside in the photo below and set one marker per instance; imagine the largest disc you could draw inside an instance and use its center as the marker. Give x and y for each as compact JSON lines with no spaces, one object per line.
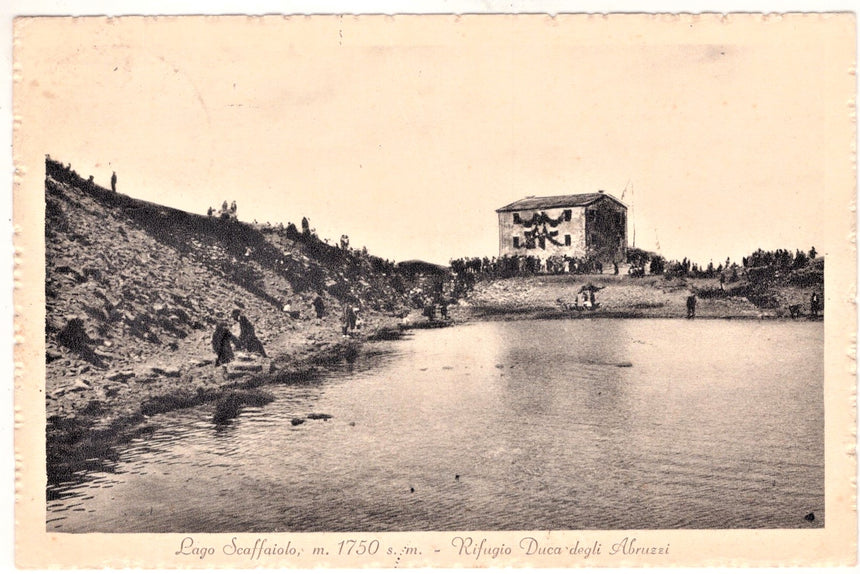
{"x":134,"y":291}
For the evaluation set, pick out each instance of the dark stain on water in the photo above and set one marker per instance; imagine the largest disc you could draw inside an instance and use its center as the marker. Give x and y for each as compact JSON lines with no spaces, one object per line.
{"x":693,"y":432}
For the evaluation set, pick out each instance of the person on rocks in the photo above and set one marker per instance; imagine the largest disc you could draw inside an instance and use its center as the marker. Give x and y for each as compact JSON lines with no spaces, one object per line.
{"x":210,"y":211}
{"x":233,"y":210}
{"x":306,"y":226}
{"x":319,"y":306}
{"x":222,"y":344}
{"x":247,"y":337}
{"x":225,"y":210}
{"x":113,"y":182}
{"x":349,"y":319}
{"x":443,"y":309}
{"x":691,"y":306}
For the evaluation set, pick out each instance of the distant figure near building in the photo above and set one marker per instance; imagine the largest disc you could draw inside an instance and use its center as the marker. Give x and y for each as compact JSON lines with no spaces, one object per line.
{"x":691,"y":306}
{"x":814,"y":304}
{"x":247,"y":337}
{"x":113,"y":182}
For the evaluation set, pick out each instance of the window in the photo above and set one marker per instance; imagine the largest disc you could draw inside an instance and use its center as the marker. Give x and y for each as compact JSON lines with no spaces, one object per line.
{"x":567,"y":215}
{"x":567,"y":240}
{"x":516,"y":239}
{"x":517,"y":220}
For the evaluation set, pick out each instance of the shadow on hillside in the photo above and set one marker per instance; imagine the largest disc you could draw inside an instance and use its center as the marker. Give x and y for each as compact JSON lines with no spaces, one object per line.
{"x":239,"y":246}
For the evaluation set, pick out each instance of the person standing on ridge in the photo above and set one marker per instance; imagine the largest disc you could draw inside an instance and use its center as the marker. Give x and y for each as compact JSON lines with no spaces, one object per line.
{"x":113,"y":182}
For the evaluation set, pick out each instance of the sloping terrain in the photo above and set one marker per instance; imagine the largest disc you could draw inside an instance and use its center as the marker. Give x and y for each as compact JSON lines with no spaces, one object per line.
{"x":134,"y":291}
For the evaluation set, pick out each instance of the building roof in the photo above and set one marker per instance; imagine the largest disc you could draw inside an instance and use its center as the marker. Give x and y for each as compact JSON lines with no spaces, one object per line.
{"x":555,"y":201}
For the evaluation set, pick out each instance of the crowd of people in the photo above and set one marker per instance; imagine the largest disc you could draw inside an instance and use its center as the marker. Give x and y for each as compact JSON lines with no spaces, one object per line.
{"x":227,"y":211}
{"x":524,"y":265}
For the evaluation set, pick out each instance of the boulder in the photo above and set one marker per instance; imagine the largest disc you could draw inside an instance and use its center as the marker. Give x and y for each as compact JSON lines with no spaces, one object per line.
{"x":120,"y":375}
{"x":80,"y":385}
{"x":74,"y":336}
{"x":165,"y":371}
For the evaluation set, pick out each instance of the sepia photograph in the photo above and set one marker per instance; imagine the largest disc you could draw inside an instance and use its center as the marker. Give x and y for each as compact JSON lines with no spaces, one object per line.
{"x":526,"y":275}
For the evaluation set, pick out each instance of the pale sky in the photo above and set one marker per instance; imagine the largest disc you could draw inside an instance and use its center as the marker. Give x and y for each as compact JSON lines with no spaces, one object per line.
{"x":407,"y":133}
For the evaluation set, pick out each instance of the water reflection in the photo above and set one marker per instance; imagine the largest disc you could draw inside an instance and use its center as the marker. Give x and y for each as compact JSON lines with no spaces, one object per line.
{"x":493,"y":426}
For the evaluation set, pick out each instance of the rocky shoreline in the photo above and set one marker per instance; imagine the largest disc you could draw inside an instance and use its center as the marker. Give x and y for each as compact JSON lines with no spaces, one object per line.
{"x":87,"y":423}
{"x":619,"y":297}
{"x":86,"y":436}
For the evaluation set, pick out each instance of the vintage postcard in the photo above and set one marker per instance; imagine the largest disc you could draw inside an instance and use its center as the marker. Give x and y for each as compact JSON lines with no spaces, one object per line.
{"x":450,"y":291}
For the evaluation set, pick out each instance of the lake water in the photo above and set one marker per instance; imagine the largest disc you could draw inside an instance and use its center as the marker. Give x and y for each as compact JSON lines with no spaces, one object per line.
{"x":524,"y":425}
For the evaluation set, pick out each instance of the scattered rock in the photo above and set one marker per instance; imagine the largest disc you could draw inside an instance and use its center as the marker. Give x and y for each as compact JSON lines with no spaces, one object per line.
{"x":120,"y":375}
{"x":319,"y":416}
{"x":297,"y":421}
{"x":165,"y":371}
{"x":80,"y":385}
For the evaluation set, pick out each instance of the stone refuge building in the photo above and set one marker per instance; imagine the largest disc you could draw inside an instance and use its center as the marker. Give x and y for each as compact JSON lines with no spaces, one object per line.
{"x":578,"y":225}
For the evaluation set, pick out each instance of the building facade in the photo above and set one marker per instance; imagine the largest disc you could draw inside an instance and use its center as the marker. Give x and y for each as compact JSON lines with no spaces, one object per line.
{"x":586,"y":224}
